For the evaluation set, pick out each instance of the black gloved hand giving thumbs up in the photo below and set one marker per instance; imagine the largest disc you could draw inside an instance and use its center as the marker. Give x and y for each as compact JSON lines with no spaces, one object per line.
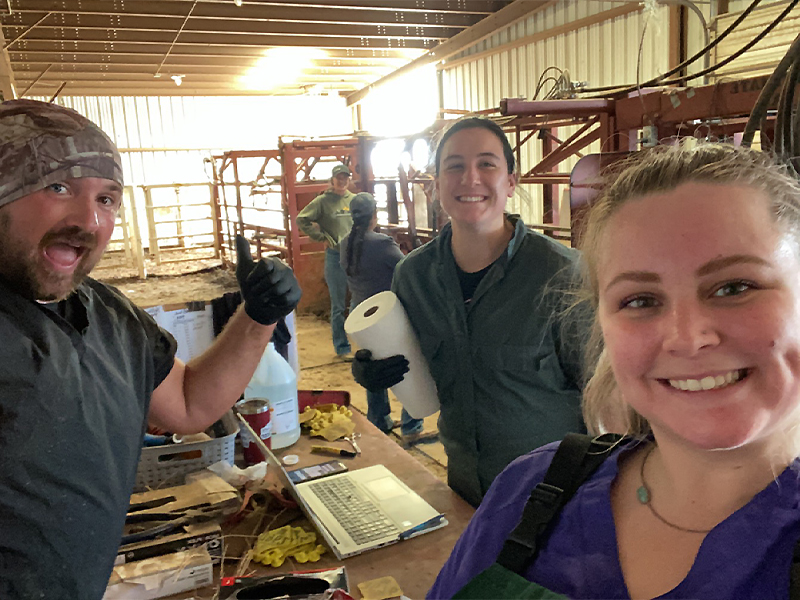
{"x":269,"y":288}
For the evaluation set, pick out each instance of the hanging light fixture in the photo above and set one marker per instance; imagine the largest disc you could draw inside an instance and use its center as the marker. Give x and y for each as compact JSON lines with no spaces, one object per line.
{"x":237,"y":2}
{"x":178,"y":79}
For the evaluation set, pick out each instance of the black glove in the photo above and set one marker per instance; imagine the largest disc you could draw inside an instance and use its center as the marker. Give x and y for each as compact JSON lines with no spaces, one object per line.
{"x":377,"y":375}
{"x":269,"y":288}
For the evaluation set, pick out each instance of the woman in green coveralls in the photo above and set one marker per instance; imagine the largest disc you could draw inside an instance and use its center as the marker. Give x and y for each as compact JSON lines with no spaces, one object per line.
{"x":507,"y":376}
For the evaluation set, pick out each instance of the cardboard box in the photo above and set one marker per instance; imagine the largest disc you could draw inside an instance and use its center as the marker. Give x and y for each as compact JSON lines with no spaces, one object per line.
{"x":203,"y":490}
{"x":192,"y":536}
{"x":161,"y":576}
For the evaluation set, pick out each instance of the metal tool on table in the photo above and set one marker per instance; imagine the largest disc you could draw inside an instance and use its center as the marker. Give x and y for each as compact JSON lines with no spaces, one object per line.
{"x":333,"y":451}
{"x":352,"y":441}
{"x":167,"y":522}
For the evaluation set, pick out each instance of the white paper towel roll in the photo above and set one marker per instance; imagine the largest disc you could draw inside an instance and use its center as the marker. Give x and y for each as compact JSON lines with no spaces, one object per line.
{"x":380,"y":325}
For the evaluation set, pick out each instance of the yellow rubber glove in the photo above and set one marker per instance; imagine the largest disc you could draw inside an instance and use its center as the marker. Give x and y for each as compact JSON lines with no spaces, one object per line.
{"x":274,"y":547}
{"x":331,"y":422}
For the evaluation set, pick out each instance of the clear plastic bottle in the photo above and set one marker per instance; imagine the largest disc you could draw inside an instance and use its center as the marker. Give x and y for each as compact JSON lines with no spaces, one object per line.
{"x":276,"y":381}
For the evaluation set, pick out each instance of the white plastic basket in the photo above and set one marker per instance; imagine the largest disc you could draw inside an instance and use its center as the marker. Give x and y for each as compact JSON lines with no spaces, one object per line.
{"x":165,"y":466}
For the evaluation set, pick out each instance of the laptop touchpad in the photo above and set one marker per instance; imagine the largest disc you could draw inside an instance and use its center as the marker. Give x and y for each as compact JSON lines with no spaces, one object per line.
{"x":384,"y":488}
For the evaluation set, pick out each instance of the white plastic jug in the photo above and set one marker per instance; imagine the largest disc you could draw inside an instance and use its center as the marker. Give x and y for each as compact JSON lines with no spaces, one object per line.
{"x":276,"y":381}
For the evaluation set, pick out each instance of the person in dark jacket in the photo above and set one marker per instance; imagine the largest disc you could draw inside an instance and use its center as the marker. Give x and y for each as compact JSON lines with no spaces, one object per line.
{"x":482,"y":299}
{"x":369,"y":258}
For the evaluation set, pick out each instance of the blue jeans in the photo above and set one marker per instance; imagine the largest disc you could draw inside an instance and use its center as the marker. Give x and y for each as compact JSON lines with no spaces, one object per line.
{"x":378,"y":414}
{"x":336,"y":279}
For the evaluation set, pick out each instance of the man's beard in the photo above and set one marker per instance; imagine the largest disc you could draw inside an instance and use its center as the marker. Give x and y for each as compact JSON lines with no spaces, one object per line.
{"x":23,"y":271}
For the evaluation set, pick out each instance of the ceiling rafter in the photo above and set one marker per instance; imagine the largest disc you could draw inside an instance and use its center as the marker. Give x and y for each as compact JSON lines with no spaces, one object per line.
{"x":207,"y":60}
{"x":230,"y":39}
{"x":340,"y":16}
{"x":251,"y":8}
{"x":212,"y":45}
{"x":125,"y":52}
{"x":297,"y":29}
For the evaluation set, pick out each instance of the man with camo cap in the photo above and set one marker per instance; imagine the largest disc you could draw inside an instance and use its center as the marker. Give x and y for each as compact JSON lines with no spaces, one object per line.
{"x":82,"y":369}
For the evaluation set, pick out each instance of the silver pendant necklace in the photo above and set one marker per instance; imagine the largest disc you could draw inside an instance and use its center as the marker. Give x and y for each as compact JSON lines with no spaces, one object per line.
{"x":644,"y":496}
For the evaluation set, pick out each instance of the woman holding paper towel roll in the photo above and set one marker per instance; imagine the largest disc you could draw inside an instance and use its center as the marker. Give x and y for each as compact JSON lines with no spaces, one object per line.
{"x":507,"y":376}
{"x":369,"y":258}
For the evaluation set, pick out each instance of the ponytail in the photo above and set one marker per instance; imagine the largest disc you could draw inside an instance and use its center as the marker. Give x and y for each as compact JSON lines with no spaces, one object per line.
{"x":355,"y":242}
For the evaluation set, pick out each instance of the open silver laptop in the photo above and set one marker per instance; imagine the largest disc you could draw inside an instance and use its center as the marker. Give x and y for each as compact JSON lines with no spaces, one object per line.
{"x":359,"y":510}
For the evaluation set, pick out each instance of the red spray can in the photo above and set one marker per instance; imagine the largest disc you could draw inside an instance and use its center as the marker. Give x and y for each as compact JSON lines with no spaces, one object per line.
{"x":256,"y":412}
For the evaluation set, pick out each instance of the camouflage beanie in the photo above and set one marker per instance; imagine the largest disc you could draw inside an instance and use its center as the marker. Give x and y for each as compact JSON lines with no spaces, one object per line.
{"x":43,"y":143}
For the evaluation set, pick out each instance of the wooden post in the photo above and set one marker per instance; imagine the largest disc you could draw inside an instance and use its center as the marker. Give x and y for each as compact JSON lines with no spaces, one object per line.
{"x":215,"y":218}
{"x":151,"y":224}
{"x":391,"y":202}
{"x":126,"y":241}
{"x":237,"y":183}
{"x":179,"y":223}
{"x":137,"y":238}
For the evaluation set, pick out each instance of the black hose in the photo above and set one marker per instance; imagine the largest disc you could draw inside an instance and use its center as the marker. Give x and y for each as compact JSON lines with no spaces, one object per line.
{"x":778,"y":142}
{"x":723,"y":62}
{"x":768,"y":91}
{"x":795,"y":156}
{"x":688,"y":61}
{"x":788,"y":130}
{"x":541,"y":85}
{"x":783,"y":119}
{"x":759,"y":113}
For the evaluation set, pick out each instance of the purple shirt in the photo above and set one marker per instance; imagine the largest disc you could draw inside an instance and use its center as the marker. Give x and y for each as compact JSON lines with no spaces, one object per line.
{"x":746,"y":556}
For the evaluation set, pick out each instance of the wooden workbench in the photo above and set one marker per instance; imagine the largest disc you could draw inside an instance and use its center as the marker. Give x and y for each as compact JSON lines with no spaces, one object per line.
{"x":413,"y":563}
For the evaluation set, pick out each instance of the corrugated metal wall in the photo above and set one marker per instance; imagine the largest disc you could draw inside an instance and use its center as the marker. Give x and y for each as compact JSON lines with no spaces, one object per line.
{"x":737,"y":6}
{"x":603,"y":53}
{"x":762,"y":58}
{"x":168,"y":140}
{"x":165,"y":139}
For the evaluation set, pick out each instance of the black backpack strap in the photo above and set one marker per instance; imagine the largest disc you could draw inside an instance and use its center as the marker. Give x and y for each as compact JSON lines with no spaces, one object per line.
{"x":577,"y":457}
{"x":794,"y":574}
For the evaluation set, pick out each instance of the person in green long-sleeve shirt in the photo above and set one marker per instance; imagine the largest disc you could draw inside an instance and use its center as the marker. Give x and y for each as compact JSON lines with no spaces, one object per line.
{"x":327,"y":219}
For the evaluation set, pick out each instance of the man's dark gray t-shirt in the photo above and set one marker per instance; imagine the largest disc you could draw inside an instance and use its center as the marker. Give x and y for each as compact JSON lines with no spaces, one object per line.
{"x":75,"y":388}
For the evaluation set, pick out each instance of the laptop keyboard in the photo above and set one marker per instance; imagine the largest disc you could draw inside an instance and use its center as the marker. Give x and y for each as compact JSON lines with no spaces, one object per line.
{"x":357,"y":514}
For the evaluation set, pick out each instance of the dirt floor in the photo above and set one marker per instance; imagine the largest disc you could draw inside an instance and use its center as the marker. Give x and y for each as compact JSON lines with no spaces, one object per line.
{"x":169,"y":282}
{"x":319,"y":367}
{"x":176,"y":289}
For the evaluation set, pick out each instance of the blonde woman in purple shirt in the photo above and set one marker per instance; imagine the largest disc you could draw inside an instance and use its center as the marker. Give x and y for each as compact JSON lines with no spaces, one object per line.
{"x":692,"y":259}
